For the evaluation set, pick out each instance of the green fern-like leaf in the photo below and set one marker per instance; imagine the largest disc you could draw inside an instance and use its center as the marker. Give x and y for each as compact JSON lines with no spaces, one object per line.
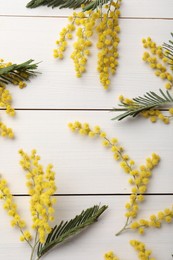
{"x":150,"y":100}
{"x":70,"y":228}
{"x":169,"y":51}
{"x":89,"y":4}
{"x":17,"y":73}
{"x":57,"y":3}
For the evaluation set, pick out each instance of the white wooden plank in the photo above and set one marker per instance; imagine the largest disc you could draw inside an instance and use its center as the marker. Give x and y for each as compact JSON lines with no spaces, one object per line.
{"x":133,"y":8}
{"x":57,"y":87}
{"x":98,"y":239}
{"x":82,"y":165}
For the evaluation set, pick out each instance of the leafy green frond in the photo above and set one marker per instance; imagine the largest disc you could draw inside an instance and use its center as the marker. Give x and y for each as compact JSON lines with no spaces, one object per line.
{"x":16,"y":73}
{"x":70,"y":228}
{"x":89,"y":4}
{"x":57,"y":3}
{"x":150,"y":100}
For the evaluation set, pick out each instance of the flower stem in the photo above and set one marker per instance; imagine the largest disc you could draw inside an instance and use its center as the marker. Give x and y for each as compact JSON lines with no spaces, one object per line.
{"x":124,"y":228}
{"x":35,"y":244}
{"x":33,"y":250}
{"x":24,"y":236}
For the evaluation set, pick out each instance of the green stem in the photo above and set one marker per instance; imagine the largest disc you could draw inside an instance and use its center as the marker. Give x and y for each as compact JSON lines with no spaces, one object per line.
{"x":33,"y":249}
{"x":121,"y":231}
{"x":124,"y":228}
{"x":24,"y":236}
{"x":38,"y":258}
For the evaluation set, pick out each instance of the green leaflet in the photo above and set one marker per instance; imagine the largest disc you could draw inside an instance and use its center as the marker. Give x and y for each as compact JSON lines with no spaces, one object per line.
{"x":148,"y":101}
{"x":169,"y":51}
{"x":94,"y":4}
{"x":18,"y":72}
{"x":57,"y":3}
{"x":67,"y":3}
{"x":70,"y":228}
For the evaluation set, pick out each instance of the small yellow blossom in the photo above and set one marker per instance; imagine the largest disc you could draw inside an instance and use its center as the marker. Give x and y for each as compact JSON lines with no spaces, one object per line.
{"x":11,"y":209}
{"x":156,"y":59}
{"x":143,"y":253}
{"x":5,"y":131}
{"x":110,"y":256}
{"x":155,"y":221}
{"x":171,"y":110}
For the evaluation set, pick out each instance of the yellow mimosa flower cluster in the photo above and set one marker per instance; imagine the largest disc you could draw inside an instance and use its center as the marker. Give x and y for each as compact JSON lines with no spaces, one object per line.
{"x":155,"y":221}
{"x":155,"y":114}
{"x":5,"y":131}
{"x":140,"y":180}
{"x":41,"y":185}
{"x":11,"y":209}
{"x":110,"y":256}
{"x":152,"y":114}
{"x":156,"y":59}
{"x":143,"y":253}
{"x":5,"y":102}
{"x":108,"y":41}
{"x":105,"y":23}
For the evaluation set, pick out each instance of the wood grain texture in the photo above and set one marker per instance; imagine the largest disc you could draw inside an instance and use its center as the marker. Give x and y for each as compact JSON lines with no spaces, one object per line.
{"x":132,"y":8}
{"x":80,"y":161}
{"x":57,"y":86}
{"x":98,"y":239}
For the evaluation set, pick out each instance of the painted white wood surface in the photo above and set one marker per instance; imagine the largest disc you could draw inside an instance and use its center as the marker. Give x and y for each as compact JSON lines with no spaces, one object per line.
{"x":80,"y":161}
{"x":82,"y":165}
{"x":57,"y":86}
{"x":132,"y":8}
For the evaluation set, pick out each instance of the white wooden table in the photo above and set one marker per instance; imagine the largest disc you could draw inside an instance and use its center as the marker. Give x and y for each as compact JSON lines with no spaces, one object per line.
{"x":86,"y":172}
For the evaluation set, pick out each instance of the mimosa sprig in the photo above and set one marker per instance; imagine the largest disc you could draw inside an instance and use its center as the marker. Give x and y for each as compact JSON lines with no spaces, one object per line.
{"x":155,"y":221}
{"x":139,"y":177}
{"x":41,"y":188}
{"x":15,"y":74}
{"x":159,"y":58}
{"x":148,"y":106}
